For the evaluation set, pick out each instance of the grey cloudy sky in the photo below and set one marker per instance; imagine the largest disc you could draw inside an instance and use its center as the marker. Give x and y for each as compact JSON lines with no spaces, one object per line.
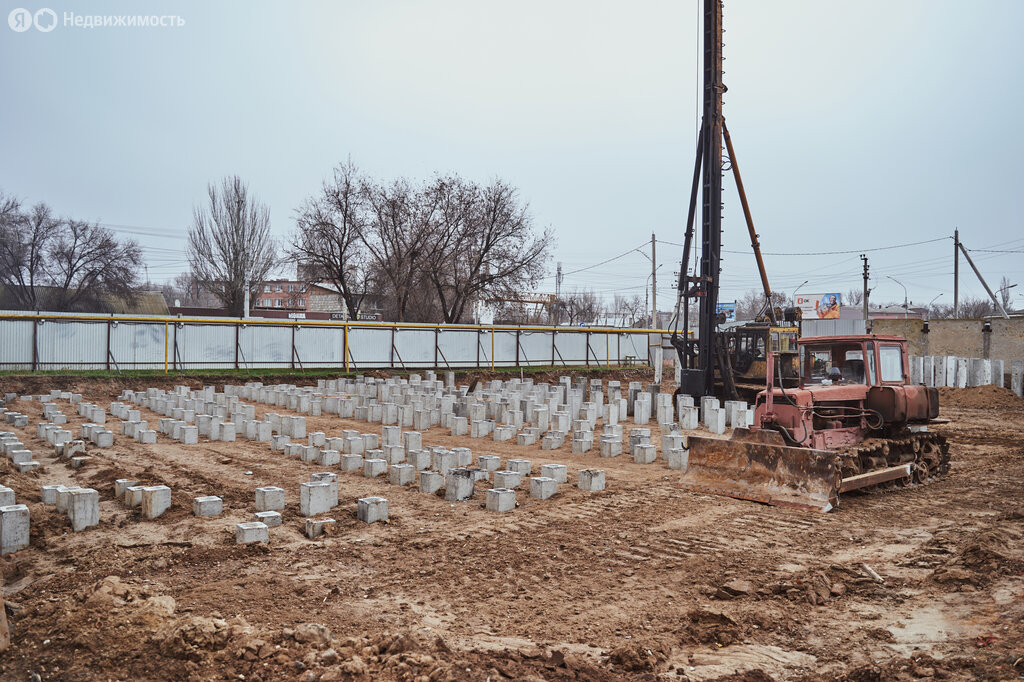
{"x":858,"y":125}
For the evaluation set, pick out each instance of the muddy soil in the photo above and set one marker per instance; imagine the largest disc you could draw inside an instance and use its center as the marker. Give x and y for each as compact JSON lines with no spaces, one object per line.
{"x":642,"y":581}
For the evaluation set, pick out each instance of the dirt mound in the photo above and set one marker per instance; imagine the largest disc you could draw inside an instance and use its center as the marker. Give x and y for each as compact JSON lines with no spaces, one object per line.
{"x":980,"y":398}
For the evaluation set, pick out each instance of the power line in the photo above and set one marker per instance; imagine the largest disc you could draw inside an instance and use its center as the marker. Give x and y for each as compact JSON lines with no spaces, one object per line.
{"x":605,"y":262}
{"x":829,"y":253}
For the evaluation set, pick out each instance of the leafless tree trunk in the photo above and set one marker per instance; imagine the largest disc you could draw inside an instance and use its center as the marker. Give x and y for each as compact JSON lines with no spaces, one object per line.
{"x":87,"y":260}
{"x":329,"y":235}
{"x":229,"y":243}
{"x":398,"y":237}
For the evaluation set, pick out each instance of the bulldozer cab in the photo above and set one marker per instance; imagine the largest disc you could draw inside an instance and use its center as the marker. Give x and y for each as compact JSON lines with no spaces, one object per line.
{"x":868,"y":360}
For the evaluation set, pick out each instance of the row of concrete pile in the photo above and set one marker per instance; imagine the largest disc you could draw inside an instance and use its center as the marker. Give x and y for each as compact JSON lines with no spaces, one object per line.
{"x":954,"y":371}
{"x":516,"y":409}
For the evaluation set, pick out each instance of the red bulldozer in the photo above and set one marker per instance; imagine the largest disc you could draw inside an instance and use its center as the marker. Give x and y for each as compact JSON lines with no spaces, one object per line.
{"x":854,"y":421}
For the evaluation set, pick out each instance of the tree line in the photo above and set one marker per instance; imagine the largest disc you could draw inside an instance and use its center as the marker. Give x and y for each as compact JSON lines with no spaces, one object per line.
{"x":429,"y":249}
{"x":57,"y":263}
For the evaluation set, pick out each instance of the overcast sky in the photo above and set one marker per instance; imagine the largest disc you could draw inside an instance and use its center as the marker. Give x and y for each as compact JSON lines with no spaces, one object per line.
{"x":857,"y":125}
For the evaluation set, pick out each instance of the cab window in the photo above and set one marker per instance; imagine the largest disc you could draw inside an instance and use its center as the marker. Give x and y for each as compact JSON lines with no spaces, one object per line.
{"x":890,"y":364}
{"x":871,"y":363}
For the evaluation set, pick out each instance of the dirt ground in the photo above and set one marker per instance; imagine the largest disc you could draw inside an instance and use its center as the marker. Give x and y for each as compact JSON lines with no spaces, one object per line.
{"x":642,"y":581}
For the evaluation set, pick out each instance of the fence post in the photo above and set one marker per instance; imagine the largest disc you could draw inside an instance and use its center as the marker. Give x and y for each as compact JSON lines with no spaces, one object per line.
{"x":587,"y":354}
{"x":35,"y":344}
{"x":492,"y":346}
{"x":108,"y":345}
{"x":236,"y":346}
{"x":166,"y":339}
{"x":292,"y":358}
{"x":437,"y":342}
{"x":607,"y":349}
{"x":345,"y":334}
{"x":553,"y":332}
{"x":517,"y":346}
{"x":391,"y":355}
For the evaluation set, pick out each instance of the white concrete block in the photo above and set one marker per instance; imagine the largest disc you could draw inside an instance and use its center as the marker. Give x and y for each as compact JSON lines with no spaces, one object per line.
{"x":14,"y":528}
{"x":542,"y":487}
{"x":520,"y":466}
{"x":558,"y":472}
{"x":156,"y":499}
{"x":507,"y":479}
{"x":430,"y":481}
{"x":678,"y":458}
{"x":402,"y":474}
{"x":590,"y":480}
{"x":315,"y":498}
{"x":207,"y":505}
{"x":84,"y":508}
{"x":251,"y":531}
{"x":458,"y":485}
{"x":372,"y":509}
{"x":500,"y":500}
{"x":269,"y":518}
{"x":372,"y":468}
{"x":269,"y":498}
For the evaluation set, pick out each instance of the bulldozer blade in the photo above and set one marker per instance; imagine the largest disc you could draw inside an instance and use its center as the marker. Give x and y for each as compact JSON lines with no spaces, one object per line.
{"x":759,"y":466}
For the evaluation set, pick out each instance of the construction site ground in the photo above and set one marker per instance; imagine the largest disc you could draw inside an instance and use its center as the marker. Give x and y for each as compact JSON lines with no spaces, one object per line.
{"x":642,"y":581}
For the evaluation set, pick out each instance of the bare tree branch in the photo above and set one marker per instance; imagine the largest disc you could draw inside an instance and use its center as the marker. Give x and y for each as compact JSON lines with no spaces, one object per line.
{"x":229,"y":243}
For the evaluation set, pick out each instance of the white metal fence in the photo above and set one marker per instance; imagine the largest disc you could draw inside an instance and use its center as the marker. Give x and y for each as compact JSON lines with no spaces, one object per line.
{"x":50,"y":341}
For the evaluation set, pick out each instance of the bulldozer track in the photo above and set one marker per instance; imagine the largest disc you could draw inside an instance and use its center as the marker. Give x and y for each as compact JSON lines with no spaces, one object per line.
{"x":928,"y":453}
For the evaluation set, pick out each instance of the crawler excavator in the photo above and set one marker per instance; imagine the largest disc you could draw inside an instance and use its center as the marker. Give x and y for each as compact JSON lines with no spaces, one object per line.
{"x":836,"y":415}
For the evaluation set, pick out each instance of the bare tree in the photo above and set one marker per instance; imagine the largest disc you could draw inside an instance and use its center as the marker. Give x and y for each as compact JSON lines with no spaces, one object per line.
{"x":971,"y":307}
{"x":1004,"y":292}
{"x":483,"y":245}
{"x":87,"y":260}
{"x":25,"y":241}
{"x":752,"y":304}
{"x":577,"y":307}
{"x":229,"y":243}
{"x":631,"y":312}
{"x":854,"y":297}
{"x":398,"y":238}
{"x":329,"y":235}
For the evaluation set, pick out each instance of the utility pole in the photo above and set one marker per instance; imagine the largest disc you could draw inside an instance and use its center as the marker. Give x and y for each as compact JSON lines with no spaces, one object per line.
{"x":956,"y":273}
{"x":866,"y":290}
{"x":984,"y":283}
{"x":654,"y":284}
{"x":558,"y":281}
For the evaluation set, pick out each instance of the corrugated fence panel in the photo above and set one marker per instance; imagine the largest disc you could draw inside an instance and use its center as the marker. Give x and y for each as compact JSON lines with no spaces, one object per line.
{"x":72,"y":345}
{"x":832,"y":327}
{"x":633,"y":348}
{"x":414,"y":347}
{"x":369,"y":347}
{"x":16,"y":344}
{"x":82,"y":342}
{"x":206,"y":346}
{"x":458,"y":348}
{"x":534,"y":348}
{"x":319,"y":346}
{"x":505,"y":348}
{"x":138,"y":345}
{"x":571,"y":348}
{"x":602,"y":348}
{"x":265,"y":346}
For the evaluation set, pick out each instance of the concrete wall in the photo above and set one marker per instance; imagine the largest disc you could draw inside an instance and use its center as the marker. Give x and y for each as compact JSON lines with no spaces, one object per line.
{"x":962,"y":338}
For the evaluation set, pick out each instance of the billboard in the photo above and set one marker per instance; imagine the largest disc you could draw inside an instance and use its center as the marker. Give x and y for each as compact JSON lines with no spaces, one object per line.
{"x":729,"y":308}
{"x":819,"y":306}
